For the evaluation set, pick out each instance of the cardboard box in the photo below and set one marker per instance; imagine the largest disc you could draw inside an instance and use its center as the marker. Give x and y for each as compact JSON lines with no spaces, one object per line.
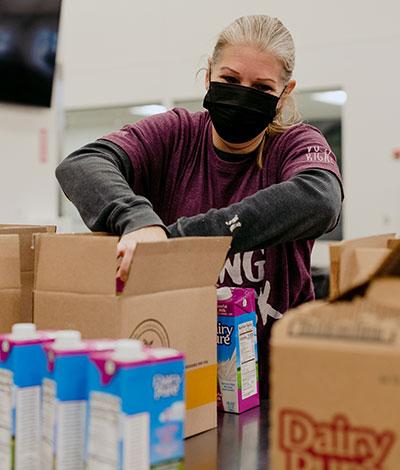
{"x":10,"y":283}
{"x":335,"y":384}
{"x":25,"y":234}
{"x":169,"y":300}
{"x":352,"y":261}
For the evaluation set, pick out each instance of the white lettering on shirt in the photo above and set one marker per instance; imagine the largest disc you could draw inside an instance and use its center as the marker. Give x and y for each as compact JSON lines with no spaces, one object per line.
{"x":234,"y":223}
{"x":240,"y":269}
{"x":317,"y":154}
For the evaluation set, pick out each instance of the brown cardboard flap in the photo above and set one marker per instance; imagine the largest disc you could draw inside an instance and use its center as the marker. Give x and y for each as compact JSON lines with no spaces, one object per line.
{"x":367,"y":261}
{"x":75,"y":263}
{"x":344,"y":322}
{"x":27,"y":297}
{"x":176,"y":264}
{"x":393,"y":243}
{"x":385,"y":291}
{"x":390,"y":266}
{"x":346,"y":268}
{"x":25,"y":233}
{"x":10,"y":301}
{"x":9,"y":262}
{"x":375,"y":241}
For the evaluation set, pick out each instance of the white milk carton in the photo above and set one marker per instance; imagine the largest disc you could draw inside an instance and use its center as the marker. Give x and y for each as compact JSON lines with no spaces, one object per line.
{"x":22,"y":366}
{"x":167,"y":410}
{"x":64,"y":404}
{"x":238,"y":387}
{"x":136,"y":408}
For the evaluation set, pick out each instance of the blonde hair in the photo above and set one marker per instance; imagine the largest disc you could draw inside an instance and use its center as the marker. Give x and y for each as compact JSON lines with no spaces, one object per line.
{"x":267,"y":34}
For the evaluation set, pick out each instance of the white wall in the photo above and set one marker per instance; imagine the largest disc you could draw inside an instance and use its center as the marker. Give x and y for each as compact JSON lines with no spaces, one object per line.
{"x":128,"y":51}
{"x":355,"y":45}
{"x":125,"y":52}
{"x":28,"y":152}
{"x":150,"y":51}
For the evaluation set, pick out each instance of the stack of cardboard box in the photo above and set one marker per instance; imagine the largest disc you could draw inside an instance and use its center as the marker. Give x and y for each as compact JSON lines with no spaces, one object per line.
{"x":169,"y":299}
{"x":335,"y":385}
{"x":16,"y":266}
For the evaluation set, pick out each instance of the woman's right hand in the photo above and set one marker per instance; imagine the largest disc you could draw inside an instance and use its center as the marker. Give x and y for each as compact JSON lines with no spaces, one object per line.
{"x":127,"y":245}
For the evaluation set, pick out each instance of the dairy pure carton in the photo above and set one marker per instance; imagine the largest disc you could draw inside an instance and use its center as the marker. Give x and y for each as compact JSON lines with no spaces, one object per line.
{"x":22,"y":366}
{"x":64,"y":403}
{"x":238,"y":387}
{"x":136,"y":409}
{"x":167,"y":409}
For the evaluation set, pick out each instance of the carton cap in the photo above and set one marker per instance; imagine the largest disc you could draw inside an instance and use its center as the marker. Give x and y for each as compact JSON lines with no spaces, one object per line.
{"x":224,"y":293}
{"x":68,"y":340}
{"x":128,"y":350}
{"x":164,"y":353}
{"x":23,"y":331}
{"x":102,"y":345}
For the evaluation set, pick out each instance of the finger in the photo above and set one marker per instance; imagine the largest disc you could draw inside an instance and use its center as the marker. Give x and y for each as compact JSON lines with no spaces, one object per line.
{"x":120,"y":253}
{"x":119,"y":260}
{"x":121,"y":247}
{"x":124,"y":268}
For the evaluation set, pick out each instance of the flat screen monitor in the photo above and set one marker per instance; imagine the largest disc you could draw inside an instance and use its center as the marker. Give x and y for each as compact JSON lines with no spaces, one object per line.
{"x":28,"y":44}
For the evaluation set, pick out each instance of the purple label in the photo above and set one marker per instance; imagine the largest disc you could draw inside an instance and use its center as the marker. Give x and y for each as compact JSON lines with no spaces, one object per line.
{"x":88,"y":347}
{"x":7,"y":342}
{"x":108,"y":366}
{"x":242,"y":301}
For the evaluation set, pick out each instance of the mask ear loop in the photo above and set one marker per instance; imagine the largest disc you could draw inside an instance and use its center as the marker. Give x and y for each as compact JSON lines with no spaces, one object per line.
{"x":260,"y":153}
{"x":209,"y":75}
{"x":283,"y":91}
{"x":280,"y":96}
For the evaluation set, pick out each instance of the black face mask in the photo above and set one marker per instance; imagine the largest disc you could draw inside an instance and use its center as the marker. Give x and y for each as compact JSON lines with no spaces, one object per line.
{"x":239,"y":113}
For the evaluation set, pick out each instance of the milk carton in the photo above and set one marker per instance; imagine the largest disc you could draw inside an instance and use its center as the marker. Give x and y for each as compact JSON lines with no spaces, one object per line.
{"x":237,"y":350}
{"x":22,"y":366}
{"x":136,"y":411}
{"x":167,"y":410}
{"x":119,"y":408}
{"x":64,"y":404}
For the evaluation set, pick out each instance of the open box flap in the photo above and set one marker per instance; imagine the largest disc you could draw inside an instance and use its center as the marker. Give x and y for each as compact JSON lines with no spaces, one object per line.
{"x":174,"y":264}
{"x":76,"y":263}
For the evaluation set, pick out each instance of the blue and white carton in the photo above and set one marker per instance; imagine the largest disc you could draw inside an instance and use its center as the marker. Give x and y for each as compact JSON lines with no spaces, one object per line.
{"x":167,"y":408}
{"x":64,"y":403}
{"x":22,"y":366}
{"x":136,"y":408}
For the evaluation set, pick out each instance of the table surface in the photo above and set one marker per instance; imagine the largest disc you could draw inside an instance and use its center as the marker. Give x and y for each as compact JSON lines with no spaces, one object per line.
{"x":239,"y":442}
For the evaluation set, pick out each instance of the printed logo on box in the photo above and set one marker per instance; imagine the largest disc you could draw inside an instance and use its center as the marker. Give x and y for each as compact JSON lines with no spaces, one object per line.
{"x":166,"y":386}
{"x":152,"y":333}
{"x":336,"y":444}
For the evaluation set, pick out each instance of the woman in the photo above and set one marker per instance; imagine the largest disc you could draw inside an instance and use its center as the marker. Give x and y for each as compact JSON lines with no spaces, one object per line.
{"x":245,"y":168}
